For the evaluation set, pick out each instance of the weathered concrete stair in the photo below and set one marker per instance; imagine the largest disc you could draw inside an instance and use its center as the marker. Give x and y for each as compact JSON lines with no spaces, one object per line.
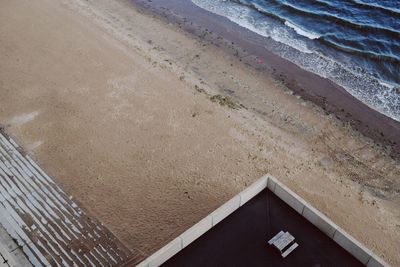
{"x":49,"y":226}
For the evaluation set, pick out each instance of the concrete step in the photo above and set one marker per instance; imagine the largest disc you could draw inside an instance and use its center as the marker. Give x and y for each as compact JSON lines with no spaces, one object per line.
{"x":45,"y":222}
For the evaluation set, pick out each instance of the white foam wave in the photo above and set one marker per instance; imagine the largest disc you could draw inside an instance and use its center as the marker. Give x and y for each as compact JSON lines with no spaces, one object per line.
{"x":386,"y":84}
{"x":299,"y":30}
{"x":253,"y":21}
{"x":366,"y":88}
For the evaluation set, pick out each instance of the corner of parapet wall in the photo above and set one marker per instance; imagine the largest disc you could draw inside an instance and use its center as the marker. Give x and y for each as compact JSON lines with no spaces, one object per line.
{"x":323,"y":223}
{"x":315,"y":217}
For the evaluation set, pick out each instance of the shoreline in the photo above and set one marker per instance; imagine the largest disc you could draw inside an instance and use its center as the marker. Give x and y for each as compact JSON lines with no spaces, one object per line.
{"x":249,"y":46}
{"x":127,"y":114}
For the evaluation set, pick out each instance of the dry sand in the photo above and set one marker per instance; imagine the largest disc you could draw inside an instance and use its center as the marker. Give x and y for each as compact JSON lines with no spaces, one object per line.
{"x":111,"y":103}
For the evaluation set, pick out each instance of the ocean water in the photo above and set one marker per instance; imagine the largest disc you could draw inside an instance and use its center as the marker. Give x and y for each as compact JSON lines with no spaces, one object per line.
{"x":354,"y":43}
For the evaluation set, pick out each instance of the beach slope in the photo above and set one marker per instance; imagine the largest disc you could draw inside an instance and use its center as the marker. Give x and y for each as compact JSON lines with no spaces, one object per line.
{"x":116,"y":106}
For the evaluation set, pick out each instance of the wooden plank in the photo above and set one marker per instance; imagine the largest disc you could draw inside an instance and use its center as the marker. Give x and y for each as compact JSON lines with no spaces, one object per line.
{"x":289,"y":250}
{"x":276,"y":237}
{"x":284,"y":241}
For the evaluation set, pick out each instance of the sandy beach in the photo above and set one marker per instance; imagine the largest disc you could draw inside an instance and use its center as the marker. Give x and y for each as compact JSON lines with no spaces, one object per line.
{"x":150,"y":128}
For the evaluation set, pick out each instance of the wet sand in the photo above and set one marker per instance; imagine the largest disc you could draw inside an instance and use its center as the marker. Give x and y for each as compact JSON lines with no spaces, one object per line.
{"x":250,"y":48}
{"x":151,"y":129}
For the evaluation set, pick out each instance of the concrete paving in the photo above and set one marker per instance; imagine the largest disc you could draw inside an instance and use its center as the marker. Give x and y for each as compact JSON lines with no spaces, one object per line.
{"x":11,"y":255}
{"x":44,"y":223}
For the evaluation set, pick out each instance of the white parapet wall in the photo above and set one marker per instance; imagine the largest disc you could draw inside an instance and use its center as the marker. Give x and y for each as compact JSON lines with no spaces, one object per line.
{"x":343,"y":239}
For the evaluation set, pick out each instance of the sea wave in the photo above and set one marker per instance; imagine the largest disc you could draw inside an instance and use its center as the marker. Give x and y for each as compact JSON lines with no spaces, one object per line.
{"x":391,"y":33}
{"x":373,"y":6}
{"x":246,"y":18}
{"x":301,"y":31}
{"x":340,"y":44}
{"x":298,"y":45}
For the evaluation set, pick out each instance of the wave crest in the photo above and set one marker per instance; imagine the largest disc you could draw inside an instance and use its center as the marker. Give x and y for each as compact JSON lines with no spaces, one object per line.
{"x":306,"y":54}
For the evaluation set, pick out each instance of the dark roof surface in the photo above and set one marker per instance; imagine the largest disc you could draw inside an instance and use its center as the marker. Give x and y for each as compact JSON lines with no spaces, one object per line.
{"x":242,"y":239}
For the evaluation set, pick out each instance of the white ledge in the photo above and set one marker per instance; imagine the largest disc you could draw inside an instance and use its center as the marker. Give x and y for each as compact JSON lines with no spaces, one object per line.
{"x":315,"y":217}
